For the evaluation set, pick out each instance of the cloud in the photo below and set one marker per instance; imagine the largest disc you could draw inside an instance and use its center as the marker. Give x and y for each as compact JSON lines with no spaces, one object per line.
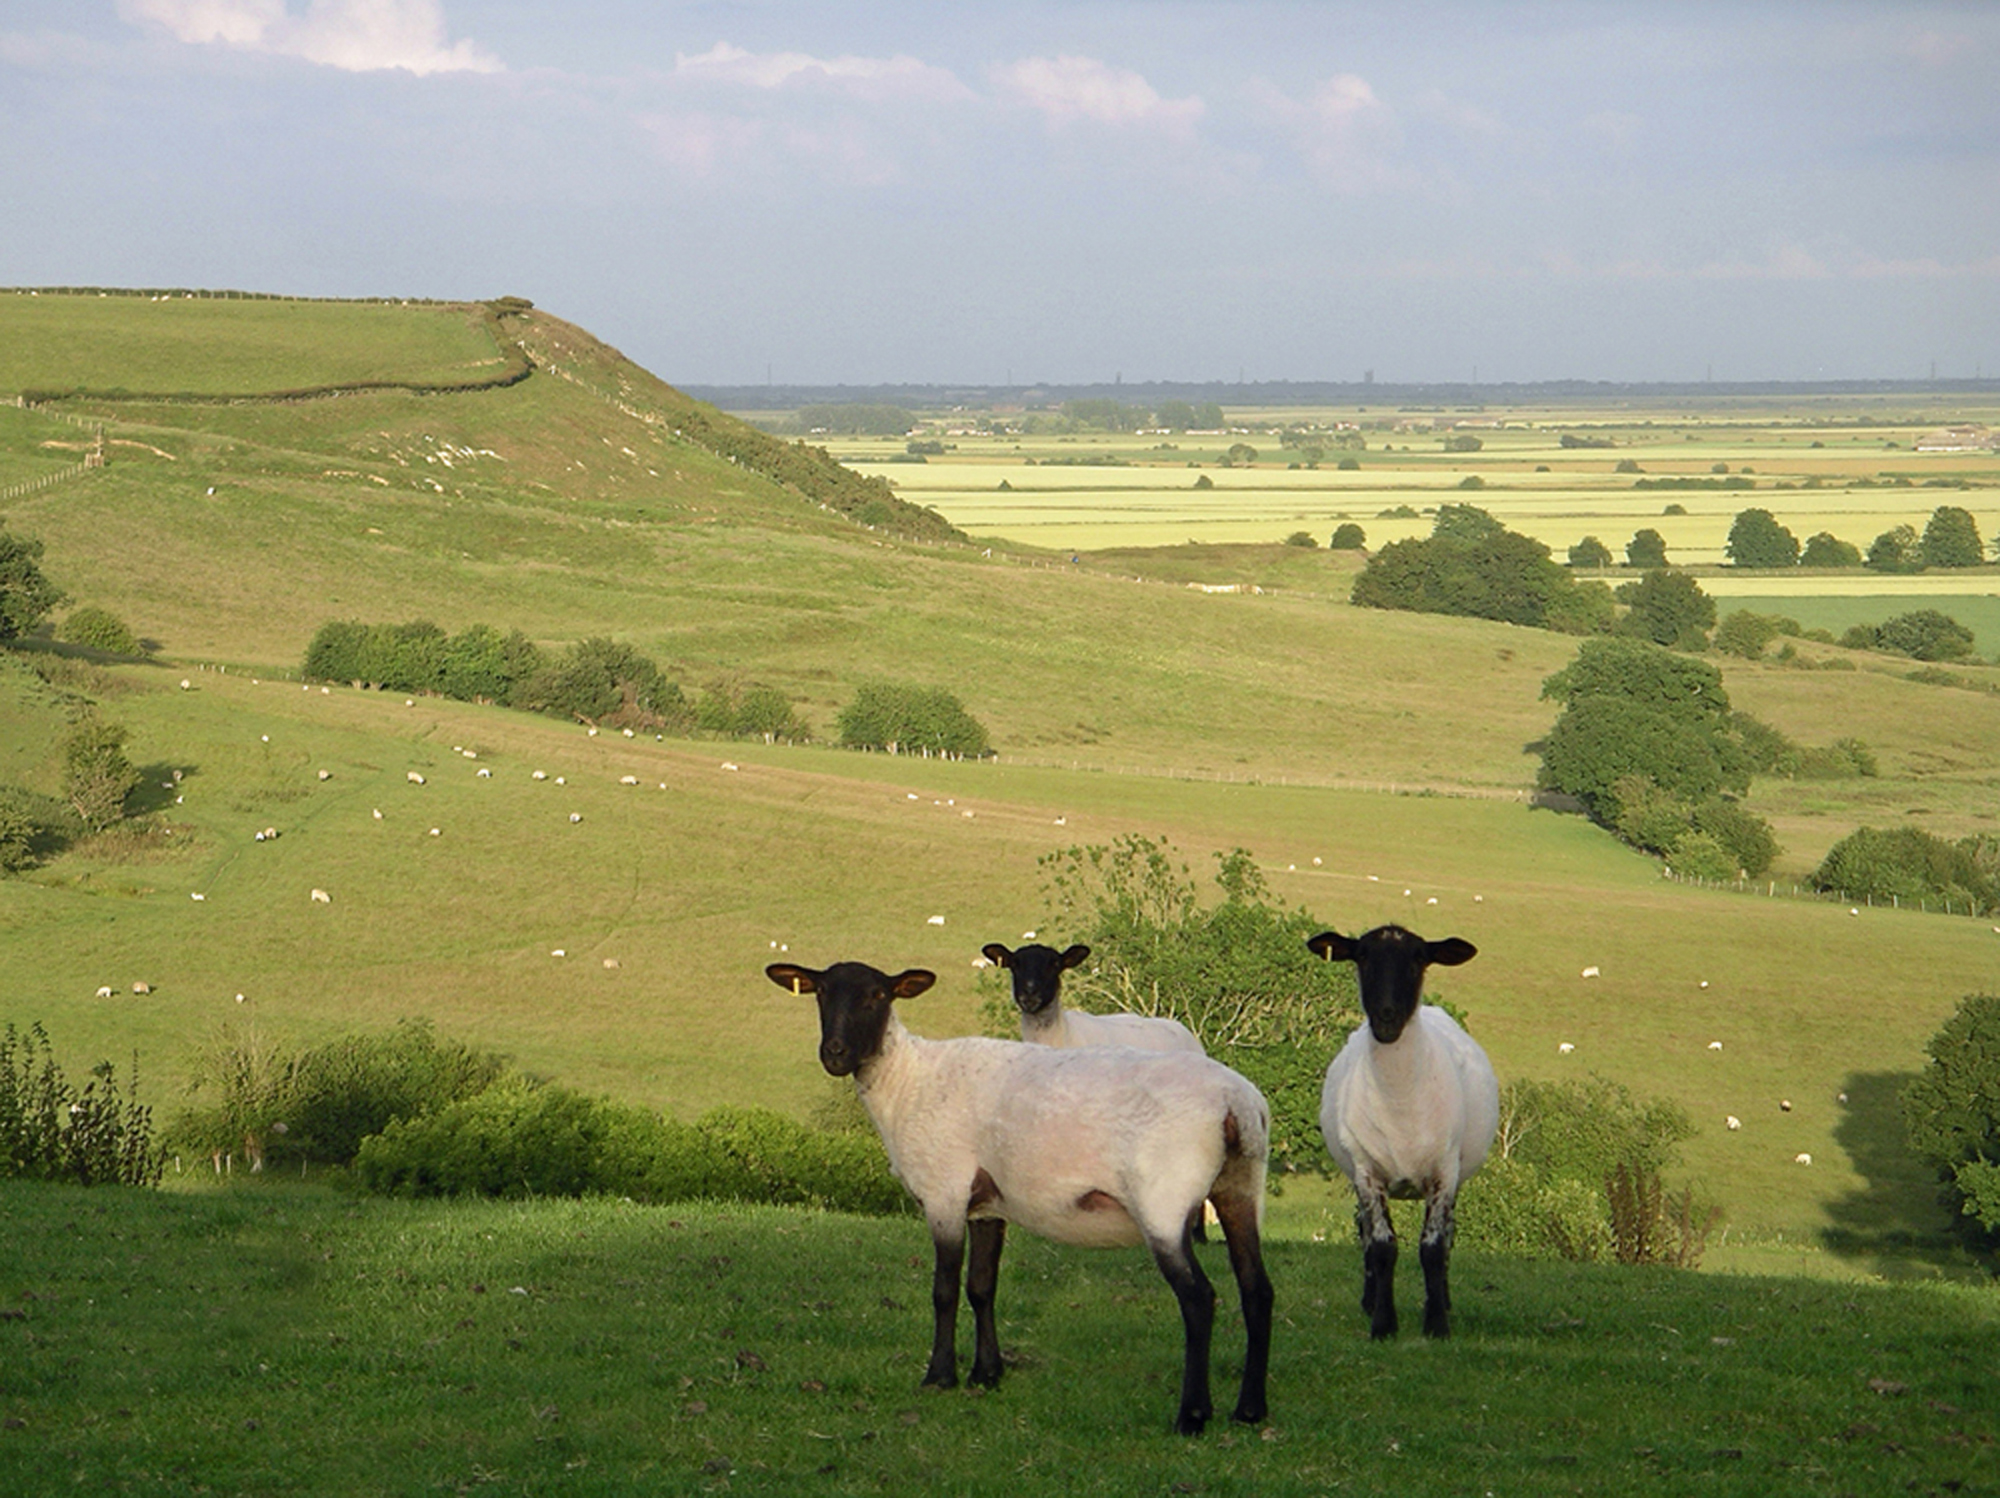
{"x":876,"y":78}
{"x":356,"y":36}
{"x":1067,"y":89}
{"x":1342,"y":131}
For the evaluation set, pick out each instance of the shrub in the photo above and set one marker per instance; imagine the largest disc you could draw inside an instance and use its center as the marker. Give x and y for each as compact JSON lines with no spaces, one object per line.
{"x":1347,"y":536}
{"x":1896,"y":550}
{"x":1303,"y":539}
{"x":1924,"y":635}
{"x":521,"y":1139}
{"x":1951,"y":1113}
{"x":1908,"y":864}
{"x":52,"y":1131}
{"x":1744,"y":633}
{"x":1236,"y":971}
{"x":33,"y":827}
{"x":99,"y":629}
{"x":1470,"y":565}
{"x":318,"y":1104}
{"x":910,"y":720}
{"x":97,"y":777}
{"x":607,"y":684}
{"x":1548,"y":1190}
{"x":1668,"y":608}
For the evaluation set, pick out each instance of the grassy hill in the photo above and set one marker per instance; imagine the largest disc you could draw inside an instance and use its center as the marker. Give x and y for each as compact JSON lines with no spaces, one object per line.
{"x":1375,"y":763}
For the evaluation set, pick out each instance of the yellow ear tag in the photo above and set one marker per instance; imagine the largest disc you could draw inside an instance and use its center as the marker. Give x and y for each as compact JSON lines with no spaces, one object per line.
{"x":797,"y":988}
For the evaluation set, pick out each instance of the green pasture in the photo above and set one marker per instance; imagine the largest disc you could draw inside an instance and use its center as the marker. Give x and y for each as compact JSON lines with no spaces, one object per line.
{"x":288,"y":1340}
{"x":1374,"y":763}
{"x":201,"y":346}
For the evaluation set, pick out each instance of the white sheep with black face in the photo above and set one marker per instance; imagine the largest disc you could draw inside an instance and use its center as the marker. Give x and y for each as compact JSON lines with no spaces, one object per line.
{"x":1090,"y":1146}
{"x":1037,"y":973}
{"x":1409,"y":1110}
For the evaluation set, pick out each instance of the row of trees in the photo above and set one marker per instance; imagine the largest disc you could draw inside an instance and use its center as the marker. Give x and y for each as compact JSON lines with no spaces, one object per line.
{"x":1950,"y":539}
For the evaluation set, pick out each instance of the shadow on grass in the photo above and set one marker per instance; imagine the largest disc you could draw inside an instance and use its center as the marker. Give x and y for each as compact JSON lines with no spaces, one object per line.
{"x":1894,"y":1223}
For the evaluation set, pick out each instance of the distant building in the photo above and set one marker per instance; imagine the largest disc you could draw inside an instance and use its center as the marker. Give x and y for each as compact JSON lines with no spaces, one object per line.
{"x":1964,"y":439}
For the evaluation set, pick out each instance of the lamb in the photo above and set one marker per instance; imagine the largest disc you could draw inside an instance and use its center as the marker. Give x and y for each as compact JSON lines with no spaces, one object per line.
{"x":1409,"y":1110}
{"x":1095,"y":1147}
{"x":1037,"y":973}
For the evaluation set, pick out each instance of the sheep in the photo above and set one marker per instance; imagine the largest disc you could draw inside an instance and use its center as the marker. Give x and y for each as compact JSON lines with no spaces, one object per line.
{"x":1409,"y":1110}
{"x":1037,"y":973}
{"x":1089,"y":1146}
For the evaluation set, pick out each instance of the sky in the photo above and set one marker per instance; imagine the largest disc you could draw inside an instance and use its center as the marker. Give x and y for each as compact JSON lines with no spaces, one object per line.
{"x":1069,"y":191}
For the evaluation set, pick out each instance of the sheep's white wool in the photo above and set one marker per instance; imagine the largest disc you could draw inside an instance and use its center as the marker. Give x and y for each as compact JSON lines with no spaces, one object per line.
{"x":1072,"y":1028}
{"x":1054,"y":1128}
{"x":1423,"y":1109}
{"x":1564,"y":1048}
{"x":1734,"y":1122}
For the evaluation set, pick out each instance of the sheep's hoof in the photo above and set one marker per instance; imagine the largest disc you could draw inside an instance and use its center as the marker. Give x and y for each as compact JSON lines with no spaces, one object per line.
{"x":985,"y":1378}
{"x":941,"y":1378}
{"x":1191,"y":1422}
{"x":1249,"y":1414}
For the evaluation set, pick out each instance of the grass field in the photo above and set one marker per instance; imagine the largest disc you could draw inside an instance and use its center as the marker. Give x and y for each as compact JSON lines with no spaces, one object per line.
{"x":1372,"y":762}
{"x":288,"y":1340}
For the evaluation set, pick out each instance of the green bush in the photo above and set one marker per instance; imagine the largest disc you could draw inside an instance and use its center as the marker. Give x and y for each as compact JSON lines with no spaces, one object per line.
{"x":1547,"y":1191}
{"x":735,"y":710}
{"x":1590,"y":552}
{"x":607,"y":684}
{"x":1924,"y":635}
{"x":1909,"y":865}
{"x":26,"y":596}
{"x":520,"y":1139}
{"x":1668,"y":608}
{"x":33,"y":827}
{"x":1951,"y":539}
{"x":1235,"y":971}
{"x":52,"y":1131}
{"x":1757,"y":539}
{"x":99,"y":629}
{"x":1472,"y":566}
{"x":1647,"y":550}
{"x":1824,"y":549}
{"x":318,"y":1104}
{"x":97,"y":777}
{"x":1347,"y":536}
{"x":911,"y":720}
{"x":1951,"y":1113}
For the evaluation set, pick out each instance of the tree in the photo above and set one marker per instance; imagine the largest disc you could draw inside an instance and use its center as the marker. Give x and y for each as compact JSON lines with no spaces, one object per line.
{"x":1303,"y":539}
{"x":1176,"y":416}
{"x":1951,"y":539}
{"x":1745,"y":633}
{"x":1824,"y":549}
{"x":600,"y":681}
{"x":1668,"y":608}
{"x":1758,"y":540}
{"x":1924,"y":635}
{"x":1951,"y":1113}
{"x":1598,"y":741}
{"x":1240,"y":453}
{"x":97,"y":777}
{"x":25,"y":595}
{"x":1590,"y":552}
{"x":1463,"y":442}
{"x":910,"y":720}
{"x":1473,"y":565}
{"x":99,"y":629}
{"x":1642,"y":673}
{"x":1347,"y":536}
{"x":1647,"y":549}
{"x":1896,"y":550}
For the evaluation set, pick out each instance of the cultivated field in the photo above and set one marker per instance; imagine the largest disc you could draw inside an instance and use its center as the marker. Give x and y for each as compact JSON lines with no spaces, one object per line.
{"x":1373,"y":763}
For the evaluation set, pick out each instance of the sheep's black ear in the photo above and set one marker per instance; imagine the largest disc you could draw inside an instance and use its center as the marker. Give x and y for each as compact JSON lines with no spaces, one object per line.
{"x":996,"y":954}
{"x":791,"y":975}
{"x":1450,"y":952}
{"x":1332,"y":946}
{"x":1075,"y":955}
{"x":909,"y":985}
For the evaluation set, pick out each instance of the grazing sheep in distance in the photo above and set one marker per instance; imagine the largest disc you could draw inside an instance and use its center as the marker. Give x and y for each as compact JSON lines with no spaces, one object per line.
{"x":1037,"y":973}
{"x":1088,"y":1146}
{"x":1409,"y":1110}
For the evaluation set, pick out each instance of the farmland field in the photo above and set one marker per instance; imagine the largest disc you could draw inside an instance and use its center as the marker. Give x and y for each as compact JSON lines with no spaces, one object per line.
{"x":1378,"y":766}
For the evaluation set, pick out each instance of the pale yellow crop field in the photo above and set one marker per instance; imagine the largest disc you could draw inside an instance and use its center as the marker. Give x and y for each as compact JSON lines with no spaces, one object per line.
{"x":1845,"y":465}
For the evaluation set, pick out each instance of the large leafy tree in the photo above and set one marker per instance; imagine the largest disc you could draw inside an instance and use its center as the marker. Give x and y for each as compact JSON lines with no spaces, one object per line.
{"x":1647,"y":549}
{"x":26,"y":596}
{"x":1473,"y":565}
{"x":1951,"y":539}
{"x":1757,"y":539}
{"x":1824,"y":549}
{"x":1668,"y":608}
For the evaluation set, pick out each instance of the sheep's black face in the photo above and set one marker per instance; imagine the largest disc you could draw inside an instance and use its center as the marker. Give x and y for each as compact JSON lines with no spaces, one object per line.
{"x":1037,"y":972}
{"x":854,"y":1006}
{"x":1389,"y":963}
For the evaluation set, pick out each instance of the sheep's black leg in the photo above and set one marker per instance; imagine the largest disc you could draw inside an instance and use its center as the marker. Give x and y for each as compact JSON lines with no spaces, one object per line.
{"x":1246,"y":1257}
{"x":1378,"y":1261}
{"x":1434,"y":1252}
{"x":1197,"y":1297}
{"x":982,"y":1275}
{"x":950,"y":1246}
